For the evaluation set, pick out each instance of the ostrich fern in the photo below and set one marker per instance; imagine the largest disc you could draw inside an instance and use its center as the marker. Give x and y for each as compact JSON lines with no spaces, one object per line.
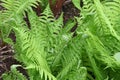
{"x":49,"y":51}
{"x":99,"y":26}
{"x":42,"y":47}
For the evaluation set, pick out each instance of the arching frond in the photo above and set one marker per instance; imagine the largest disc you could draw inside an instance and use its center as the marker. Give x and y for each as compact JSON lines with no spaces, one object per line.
{"x":15,"y":8}
{"x":102,"y":38}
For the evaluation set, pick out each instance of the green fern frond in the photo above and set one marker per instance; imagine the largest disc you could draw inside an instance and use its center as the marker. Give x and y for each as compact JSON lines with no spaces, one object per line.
{"x":34,"y":44}
{"x":14,"y":10}
{"x":44,"y":74}
{"x":100,"y":11}
{"x":77,"y":74}
{"x":30,"y":47}
{"x":17,"y":7}
{"x":100,"y":21}
{"x":62,"y":40}
{"x":88,"y":8}
{"x":66,"y":69}
{"x":14,"y":74}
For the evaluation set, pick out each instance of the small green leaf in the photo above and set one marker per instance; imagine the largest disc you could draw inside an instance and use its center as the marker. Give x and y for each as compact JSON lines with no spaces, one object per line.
{"x":76,"y":3}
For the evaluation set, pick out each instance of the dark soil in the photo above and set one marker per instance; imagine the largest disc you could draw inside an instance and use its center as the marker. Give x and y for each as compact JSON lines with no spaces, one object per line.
{"x":6,"y":57}
{"x":7,"y":53}
{"x":69,"y":11}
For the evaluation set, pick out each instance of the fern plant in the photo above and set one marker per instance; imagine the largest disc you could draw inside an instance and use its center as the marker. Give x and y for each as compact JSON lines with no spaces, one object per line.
{"x":101,"y":38}
{"x":42,"y":47}
{"x":48,"y":49}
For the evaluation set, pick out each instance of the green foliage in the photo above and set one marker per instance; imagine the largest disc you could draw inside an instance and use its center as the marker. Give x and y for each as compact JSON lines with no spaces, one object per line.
{"x":76,"y":3}
{"x":13,"y":10}
{"x":48,"y":49}
{"x":14,"y":74}
{"x":98,"y":28}
{"x":42,"y":47}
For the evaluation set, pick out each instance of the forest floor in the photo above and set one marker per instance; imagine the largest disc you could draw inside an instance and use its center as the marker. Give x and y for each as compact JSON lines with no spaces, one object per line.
{"x":6,"y":51}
